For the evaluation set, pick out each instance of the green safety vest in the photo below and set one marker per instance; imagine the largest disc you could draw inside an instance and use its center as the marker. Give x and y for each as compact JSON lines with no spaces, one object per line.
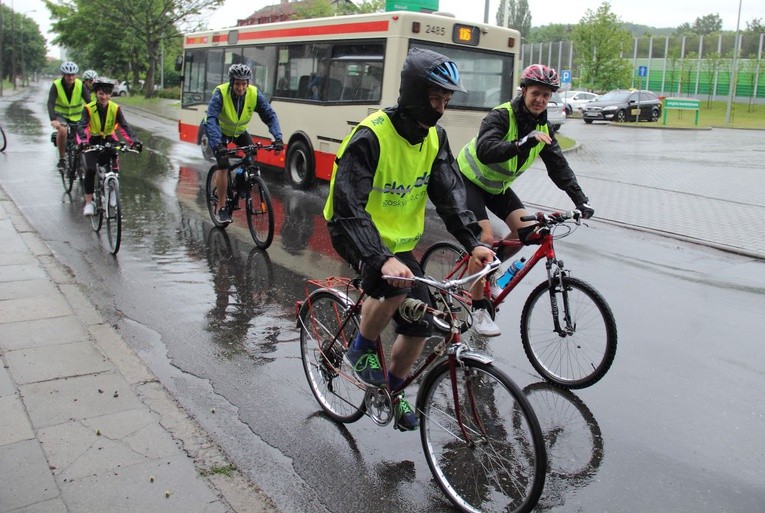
{"x":70,"y":109}
{"x":95,"y":120}
{"x":230,"y":124}
{"x":399,"y":192}
{"x":497,"y":178}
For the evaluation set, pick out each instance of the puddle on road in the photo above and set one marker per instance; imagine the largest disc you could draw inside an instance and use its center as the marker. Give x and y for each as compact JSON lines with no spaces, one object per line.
{"x":19,"y":119}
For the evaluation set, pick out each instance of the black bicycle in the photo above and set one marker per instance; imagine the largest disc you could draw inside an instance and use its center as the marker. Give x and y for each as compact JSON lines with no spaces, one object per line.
{"x":106,"y":194}
{"x":244,"y":183}
{"x":74,"y":166}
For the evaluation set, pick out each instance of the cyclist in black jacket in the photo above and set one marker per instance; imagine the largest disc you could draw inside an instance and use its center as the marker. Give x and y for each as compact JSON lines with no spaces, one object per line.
{"x":509,"y":140}
{"x":385,"y":171}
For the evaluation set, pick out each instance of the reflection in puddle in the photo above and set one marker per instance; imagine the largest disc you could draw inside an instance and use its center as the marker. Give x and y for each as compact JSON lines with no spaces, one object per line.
{"x":19,"y":119}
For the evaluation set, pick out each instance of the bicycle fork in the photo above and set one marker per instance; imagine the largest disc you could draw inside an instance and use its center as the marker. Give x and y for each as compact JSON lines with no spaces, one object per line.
{"x":555,"y":279}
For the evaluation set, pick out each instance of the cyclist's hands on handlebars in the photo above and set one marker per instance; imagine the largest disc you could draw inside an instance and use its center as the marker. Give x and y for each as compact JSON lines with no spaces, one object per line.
{"x":480,"y":256}
{"x":137,"y":146}
{"x":586,"y":210}
{"x":394,"y":267}
{"x":278,"y":146}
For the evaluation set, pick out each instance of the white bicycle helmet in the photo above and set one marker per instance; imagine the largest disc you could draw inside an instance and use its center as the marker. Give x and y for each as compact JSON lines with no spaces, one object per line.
{"x":69,"y":68}
{"x":90,"y":75}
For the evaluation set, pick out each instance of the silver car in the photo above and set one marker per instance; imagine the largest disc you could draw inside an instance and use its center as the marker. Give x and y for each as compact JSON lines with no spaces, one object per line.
{"x":556,"y":111}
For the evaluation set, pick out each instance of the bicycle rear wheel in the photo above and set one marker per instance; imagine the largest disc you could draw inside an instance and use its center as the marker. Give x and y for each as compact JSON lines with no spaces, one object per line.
{"x":113,"y":210}
{"x":584,"y":349}
{"x":260,"y":214}
{"x":322,"y":350}
{"x":495,"y":459}
{"x":211,"y":198}
{"x":3,"y":140}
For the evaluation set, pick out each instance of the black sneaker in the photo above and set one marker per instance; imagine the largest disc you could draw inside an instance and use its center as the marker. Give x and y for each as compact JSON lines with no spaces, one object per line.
{"x":366,"y":365}
{"x":406,"y":419}
{"x":61,"y":164}
{"x":224,"y":215}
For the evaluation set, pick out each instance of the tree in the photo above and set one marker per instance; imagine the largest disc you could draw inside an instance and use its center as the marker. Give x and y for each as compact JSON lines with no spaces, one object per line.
{"x":551,"y":32}
{"x":755,"y":26}
{"x":313,"y":9}
{"x":131,"y":30}
{"x":518,"y":16}
{"x":600,"y":39}
{"x":709,"y":24}
{"x":23,"y":44}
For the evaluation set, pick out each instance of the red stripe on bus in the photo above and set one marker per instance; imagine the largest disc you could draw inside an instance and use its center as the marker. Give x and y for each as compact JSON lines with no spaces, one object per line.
{"x":324,"y":30}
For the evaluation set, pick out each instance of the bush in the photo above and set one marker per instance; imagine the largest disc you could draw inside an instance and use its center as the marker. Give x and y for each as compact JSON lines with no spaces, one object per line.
{"x":173,"y":93}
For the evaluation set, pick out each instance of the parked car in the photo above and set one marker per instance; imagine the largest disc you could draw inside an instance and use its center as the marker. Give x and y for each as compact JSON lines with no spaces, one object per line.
{"x":120,"y":88}
{"x":623,"y":105}
{"x":575,"y":100}
{"x":556,"y":111}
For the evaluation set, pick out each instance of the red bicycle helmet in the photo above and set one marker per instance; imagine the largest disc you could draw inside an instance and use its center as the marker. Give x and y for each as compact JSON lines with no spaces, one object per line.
{"x":540,"y":74}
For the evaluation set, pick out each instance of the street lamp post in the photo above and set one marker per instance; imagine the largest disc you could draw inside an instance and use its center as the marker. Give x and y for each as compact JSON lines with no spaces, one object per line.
{"x":1,"y":51}
{"x":734,"y":64}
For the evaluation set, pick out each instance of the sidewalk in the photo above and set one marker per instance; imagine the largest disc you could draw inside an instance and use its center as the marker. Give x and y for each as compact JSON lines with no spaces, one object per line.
{"x":84,"y":425}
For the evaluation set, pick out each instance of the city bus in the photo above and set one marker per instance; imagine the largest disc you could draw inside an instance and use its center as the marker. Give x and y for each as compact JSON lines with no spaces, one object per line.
{"x":323,"y":76}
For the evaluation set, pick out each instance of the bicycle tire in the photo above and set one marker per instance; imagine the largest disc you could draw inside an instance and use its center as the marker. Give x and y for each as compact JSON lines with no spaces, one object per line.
{"x":113,"y":215}
{"x":97,"y":219}
{"x":3,"y":139}
{"x":329,"y":374}
{"x":211,"y":198}
{"x":70,"y":176}
{"x":502,"y":467}
{"x":70,"y":170}
{"x":260,"y":212}
{"x":574,"y":360}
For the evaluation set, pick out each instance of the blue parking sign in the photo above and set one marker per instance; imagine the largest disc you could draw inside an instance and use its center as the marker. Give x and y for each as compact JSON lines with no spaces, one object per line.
{"x":565,"y":76}
{"x":642,"y":71}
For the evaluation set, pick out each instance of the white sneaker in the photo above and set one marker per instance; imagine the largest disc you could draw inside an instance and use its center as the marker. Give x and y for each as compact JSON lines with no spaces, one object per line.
{"x":112,"y":199}
{"x":89,"y":210}
{"x":483,"y":324}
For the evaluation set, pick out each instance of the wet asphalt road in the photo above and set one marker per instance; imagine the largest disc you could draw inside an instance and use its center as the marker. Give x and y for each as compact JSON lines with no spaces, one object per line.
{"x":676,"y":425}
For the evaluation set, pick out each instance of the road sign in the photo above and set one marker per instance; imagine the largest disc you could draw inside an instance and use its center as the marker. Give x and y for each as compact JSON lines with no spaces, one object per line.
{"x":642,"y":71}
{"x":565,"y":76}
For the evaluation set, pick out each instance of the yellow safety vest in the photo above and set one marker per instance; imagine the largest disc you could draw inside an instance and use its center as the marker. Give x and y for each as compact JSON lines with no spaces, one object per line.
{"x":230,"y":123}
{"x":95,"y":120}
{"x":399,"y":193}
{"x":497,"y":178}
{"x":70,"y":109}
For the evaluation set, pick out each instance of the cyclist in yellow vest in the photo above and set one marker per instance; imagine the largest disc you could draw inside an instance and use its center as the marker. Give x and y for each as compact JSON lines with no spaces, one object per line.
{"x":228,"y":114}
{"x":510,"y":139}
{"x":88,"y":76}
{"x":101,"y":120}
{"x":66,"y":98}
{"x":384,"y":173}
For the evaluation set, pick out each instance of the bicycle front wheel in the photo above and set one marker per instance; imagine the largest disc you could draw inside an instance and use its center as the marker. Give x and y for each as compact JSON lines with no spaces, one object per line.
{"x":486,"y":452}
{"x":113,"y":210}
{"x":260,"y":214}
{"x":322,"y":349}
{"x":3,"y":140}
{"x":97,"y":219}
{"x":581,"y":351}
{"x":440,"y":261}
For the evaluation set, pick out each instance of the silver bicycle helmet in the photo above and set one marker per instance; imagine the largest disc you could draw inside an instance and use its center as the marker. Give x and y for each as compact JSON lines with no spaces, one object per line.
{"x":90,"y":75}
{"x":239,"y":72}
{"x":69,"y":68}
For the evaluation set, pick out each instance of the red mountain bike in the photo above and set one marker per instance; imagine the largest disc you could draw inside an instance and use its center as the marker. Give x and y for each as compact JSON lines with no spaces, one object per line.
{"x":572,"y":342}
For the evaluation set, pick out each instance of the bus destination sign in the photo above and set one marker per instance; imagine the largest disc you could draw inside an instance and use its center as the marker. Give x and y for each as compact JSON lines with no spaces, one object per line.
{"x":465,"y":34}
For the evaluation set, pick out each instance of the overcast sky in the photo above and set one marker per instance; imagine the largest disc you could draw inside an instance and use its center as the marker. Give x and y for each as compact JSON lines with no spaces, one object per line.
{"x":654,"y":13}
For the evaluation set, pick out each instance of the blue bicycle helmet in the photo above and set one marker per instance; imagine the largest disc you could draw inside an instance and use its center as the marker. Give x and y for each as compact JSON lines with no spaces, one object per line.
{"x":423,"y":69}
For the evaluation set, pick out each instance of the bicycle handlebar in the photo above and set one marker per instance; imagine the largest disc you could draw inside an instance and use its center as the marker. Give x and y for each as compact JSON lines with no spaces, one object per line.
{"x":122,"y":147}
{"x":251,"y":149}
{"x":554,"y":218}
{"x":451,"y":285}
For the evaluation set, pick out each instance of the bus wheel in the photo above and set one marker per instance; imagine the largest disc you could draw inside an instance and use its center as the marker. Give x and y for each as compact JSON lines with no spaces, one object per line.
{"x":204,"y":144}
{"x":300,"y":166}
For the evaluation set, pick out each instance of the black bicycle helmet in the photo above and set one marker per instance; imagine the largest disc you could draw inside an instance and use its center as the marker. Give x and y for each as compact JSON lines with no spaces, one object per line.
{"x":239,"y":72}
{"x":69,"y":68}
{"x":423,"y":68}
{"x":540,"y":74}
{"x":101,"y":84}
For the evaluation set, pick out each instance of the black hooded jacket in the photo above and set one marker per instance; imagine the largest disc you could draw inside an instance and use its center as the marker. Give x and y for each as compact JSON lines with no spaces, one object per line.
{"x":353,"y":233}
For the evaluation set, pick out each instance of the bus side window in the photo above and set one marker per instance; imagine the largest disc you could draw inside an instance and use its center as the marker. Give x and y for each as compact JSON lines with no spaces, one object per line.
{"x":303,"y":91}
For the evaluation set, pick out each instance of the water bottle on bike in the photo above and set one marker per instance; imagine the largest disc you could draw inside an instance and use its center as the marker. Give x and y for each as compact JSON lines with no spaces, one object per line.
{"x":508,"y":275}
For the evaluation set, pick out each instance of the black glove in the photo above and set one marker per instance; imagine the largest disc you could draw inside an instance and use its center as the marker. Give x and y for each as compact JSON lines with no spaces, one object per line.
{"x":278,"y":146}
{"x":137,"y":146}
{"x":221,"y":156}
{"x":586,"y":210}
{"x":528,"y":142}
